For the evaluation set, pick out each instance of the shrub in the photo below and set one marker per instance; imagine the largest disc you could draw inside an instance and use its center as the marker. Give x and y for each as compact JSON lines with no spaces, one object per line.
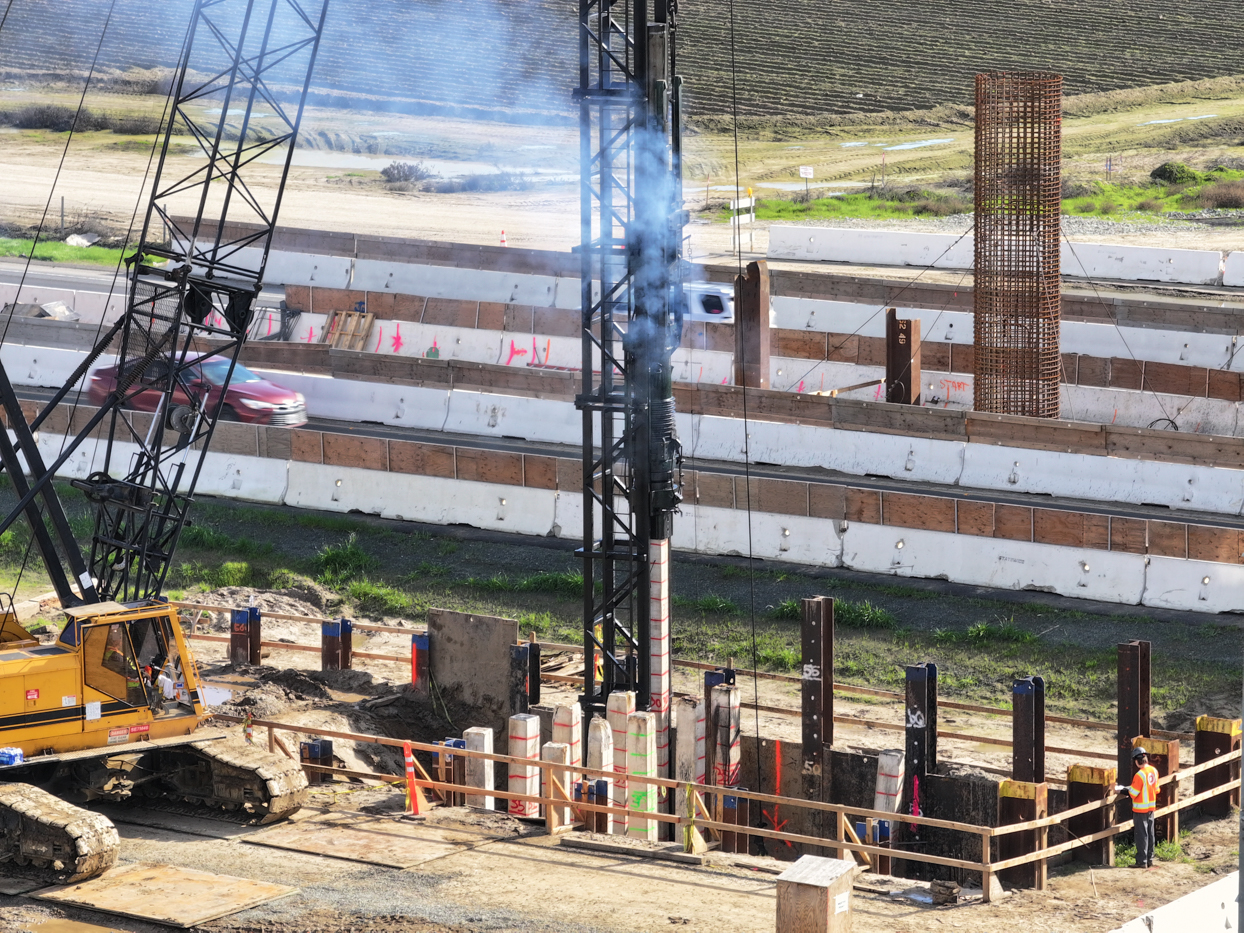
{"x":1175,"y":173}
{"x":494,"y":181}
{"x":398,"y":172}
{"x":1224,"y":195}
{"x":862,"y":615}
{"x":56,"y":118}
{"x":787,"y":609}
{"x":1108,"y":207}
{"x":1151,"y":205}
{"x":136,"y":126}
{"x":941,"y":207}
{"x":340,"y":563}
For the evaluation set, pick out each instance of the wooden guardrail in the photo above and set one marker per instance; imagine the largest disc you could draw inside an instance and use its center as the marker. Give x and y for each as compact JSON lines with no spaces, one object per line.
{"x":286,"y":617}
{"x":841,"y":842}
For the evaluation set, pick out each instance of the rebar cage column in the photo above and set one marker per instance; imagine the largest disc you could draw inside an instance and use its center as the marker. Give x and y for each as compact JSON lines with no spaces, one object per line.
{"x":1018,"y":299}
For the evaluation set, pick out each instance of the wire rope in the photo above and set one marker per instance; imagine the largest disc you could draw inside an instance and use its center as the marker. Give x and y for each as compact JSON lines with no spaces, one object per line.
{"x":742,"y":368}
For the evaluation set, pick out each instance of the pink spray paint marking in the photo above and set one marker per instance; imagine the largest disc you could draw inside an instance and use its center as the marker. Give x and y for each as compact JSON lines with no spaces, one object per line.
{"x":800,"y":389}
{"x":514,"y":351}
{"x":396,"y":339}
{"x":877,"y":394}
{"x":379,"y":337}
{"x":701,"y":376}
{"x":269,"y":323}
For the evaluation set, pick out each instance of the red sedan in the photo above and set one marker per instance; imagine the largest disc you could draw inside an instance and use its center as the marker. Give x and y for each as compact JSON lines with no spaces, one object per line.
{"x":248,"y":397}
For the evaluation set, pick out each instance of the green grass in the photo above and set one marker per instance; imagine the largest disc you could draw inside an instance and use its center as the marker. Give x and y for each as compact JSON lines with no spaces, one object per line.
{"x":48,"y":251}
{"x":338,"y":564}
{"x":1094,"y":199}
{"x":207,"y":538}
{"x":1125,"y":853}
{"x":711,"y":603}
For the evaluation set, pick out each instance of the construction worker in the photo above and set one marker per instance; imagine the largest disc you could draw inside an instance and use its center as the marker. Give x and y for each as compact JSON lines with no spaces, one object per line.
{"x":1144,"y":793}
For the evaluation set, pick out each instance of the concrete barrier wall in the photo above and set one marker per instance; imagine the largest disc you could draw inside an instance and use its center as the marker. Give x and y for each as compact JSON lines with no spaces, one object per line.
{"x":1213,"y":907}
{"x":1233,"y":270}
{"x":534,"y":495}
{"x":944,"y":251}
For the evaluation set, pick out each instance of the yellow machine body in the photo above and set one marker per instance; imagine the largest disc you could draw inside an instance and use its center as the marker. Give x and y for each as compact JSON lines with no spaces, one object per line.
{"x":102,"y":685}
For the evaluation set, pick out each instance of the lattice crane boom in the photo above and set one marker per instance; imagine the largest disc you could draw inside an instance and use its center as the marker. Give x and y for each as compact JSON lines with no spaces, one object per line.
{"x":190,"y":299}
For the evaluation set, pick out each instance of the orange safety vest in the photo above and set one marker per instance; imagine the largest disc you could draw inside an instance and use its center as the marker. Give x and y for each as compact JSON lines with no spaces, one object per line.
{"x":1144,"y":790}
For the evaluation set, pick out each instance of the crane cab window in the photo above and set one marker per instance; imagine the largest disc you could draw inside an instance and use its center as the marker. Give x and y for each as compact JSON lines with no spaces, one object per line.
{"x":110,"y":665}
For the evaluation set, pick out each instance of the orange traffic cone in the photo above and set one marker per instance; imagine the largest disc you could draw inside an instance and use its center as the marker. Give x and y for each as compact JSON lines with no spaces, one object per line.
{"x":503,"y":243}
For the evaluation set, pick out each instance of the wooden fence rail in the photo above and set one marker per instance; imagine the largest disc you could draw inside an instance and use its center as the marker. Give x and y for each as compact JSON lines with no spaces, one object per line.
{"x":845,"y":841}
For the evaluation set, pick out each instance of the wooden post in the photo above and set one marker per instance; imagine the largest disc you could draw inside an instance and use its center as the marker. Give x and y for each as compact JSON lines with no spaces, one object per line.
{"x":902,"y":359}
{"x":1085,"y":784}
{"x":1028,"y":730}
{"x":255,"y":632}
{"x":239,"y":636}
{"x":420,"y":669}
{"x":987,"y":878}
{"x":1019,"y":802}
{"x":751,"y":327}
{"x":330,"y":645}
{"x":519,"y":669}
{"x":1215,"y":737}
{"x":817,"y":682}
{"x":1134,"y":702}
{"x":347,"y":644}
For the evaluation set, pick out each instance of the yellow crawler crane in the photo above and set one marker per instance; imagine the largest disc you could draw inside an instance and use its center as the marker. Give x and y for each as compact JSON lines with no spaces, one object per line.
{"x":111,"y":711}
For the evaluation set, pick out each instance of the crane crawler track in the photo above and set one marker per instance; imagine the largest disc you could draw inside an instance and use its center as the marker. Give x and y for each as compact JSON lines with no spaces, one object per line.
{"x":238,"y":777}
{"x":57,"y":841}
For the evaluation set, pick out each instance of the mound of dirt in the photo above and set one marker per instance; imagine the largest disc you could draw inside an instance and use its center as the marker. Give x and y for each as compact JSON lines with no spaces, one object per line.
{"x":302,"y":684}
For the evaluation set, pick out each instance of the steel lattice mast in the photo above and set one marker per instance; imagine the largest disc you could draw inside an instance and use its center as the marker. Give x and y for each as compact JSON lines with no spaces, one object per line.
{"x":252,"y":59}
{"x":632,"y":224}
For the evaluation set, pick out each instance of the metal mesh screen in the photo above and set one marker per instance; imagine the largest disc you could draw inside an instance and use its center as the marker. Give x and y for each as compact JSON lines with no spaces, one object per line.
{"x":1018,"y":201}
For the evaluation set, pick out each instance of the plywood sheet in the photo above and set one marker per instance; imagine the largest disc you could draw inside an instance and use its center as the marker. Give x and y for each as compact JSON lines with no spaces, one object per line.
{"x":15,"y":886}
{"x":374,"y":840}
{"x":174,"y":896}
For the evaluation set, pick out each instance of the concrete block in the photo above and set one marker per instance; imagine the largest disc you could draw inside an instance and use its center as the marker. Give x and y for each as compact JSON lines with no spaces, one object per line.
{"x":725,"y":719}
{"x":870,"y":247}
{"x":524,"y":742}
{"x":709,"y":530}
{"x":290,"y":268}
{"x":1090,"y":574}
{"x":660,"y":659}
{"x":689,"y":756}
{"x":641,"y":755}
{"x":1194,"y":585}
{"x":455,"y":282}
{"x":479,"y":771}
{"x":557,"y":753}
{"x":568,"y":731}
{"x":1142,"y":263}
{"x":470,"y":661}
{"x":619,"y":707}
{"x":1233,"y":270}
{"x":599,"y":745}
{"x":432,"y":499}
{"x":513,"y":416}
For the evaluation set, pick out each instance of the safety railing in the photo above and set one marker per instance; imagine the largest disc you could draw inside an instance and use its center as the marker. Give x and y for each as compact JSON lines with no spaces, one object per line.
{"x":703,"y":816}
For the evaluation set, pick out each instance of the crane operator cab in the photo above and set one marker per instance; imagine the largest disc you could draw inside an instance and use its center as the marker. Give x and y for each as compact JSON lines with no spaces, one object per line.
{"x":118,"y":674}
